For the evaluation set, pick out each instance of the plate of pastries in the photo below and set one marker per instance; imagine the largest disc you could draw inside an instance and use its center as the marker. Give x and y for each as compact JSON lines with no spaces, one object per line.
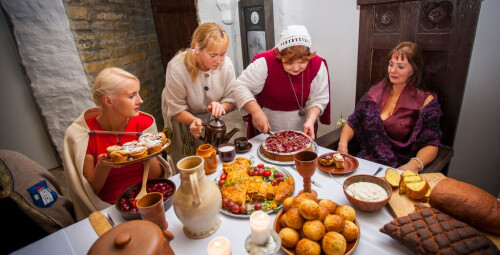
{"x":246,"y":188}
{"x":337,"y":163}
{"x":308,"y":225}
{"x":147,"y":146}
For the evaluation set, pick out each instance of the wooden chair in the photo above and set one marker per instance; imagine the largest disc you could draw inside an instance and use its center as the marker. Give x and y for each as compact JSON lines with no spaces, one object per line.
{"x":444,"y":30}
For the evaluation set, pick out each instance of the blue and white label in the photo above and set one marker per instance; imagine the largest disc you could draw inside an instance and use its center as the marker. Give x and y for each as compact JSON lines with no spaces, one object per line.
{"x":42,"y":195}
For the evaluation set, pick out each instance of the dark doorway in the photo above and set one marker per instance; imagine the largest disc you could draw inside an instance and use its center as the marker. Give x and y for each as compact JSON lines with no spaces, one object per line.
{"x":175,"y":23}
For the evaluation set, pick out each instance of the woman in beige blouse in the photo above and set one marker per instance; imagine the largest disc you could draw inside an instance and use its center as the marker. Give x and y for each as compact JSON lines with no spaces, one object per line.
{"x":198,"y":84}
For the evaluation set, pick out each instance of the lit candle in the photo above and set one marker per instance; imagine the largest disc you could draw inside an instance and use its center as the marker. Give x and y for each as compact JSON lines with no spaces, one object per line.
{"x":260,"y":227}
{"x":219,"y":246}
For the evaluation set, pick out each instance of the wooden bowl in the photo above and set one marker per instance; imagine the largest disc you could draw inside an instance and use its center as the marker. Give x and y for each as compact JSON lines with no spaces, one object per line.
{"x":351,"y":246}
{"x":367,"y":206}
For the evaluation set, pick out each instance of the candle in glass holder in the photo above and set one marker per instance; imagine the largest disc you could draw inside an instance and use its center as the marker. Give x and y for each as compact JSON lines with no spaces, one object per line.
{"x":219,"y":246}
{"x":260,"y":225}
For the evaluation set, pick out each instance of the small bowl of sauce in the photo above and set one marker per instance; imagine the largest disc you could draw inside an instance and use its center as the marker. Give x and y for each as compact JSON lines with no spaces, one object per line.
{"x":366,"y":192}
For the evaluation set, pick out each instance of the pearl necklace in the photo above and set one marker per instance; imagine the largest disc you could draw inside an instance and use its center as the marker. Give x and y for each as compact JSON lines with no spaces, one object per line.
{"x":302,"y":111}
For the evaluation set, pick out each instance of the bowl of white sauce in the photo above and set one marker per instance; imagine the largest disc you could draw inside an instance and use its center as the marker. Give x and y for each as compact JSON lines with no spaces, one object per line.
{"x":366,"y":192}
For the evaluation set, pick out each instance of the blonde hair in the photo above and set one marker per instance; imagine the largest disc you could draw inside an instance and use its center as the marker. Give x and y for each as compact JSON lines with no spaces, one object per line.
{"x":108,"y":81}
{"x":208,"y":36}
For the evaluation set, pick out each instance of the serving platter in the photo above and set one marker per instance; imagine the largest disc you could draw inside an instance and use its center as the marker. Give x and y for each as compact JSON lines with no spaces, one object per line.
{"x":282,"y":163}
{"x":133,"y":161}
{"x":226,"y":211}
{"x":350,"y":165}
{"x":351,"y":246}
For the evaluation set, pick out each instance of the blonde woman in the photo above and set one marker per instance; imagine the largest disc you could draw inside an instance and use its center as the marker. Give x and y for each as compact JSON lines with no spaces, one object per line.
{"x":93,"y":184}
{"x":198,"y":84}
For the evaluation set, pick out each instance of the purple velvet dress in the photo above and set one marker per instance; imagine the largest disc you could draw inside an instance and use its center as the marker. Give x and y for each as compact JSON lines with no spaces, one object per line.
{"x":395,"y":140}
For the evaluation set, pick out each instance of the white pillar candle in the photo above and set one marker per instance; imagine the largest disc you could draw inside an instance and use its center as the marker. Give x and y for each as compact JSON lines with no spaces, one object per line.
{"x":219,"y":246}
{"x":260,"y":225}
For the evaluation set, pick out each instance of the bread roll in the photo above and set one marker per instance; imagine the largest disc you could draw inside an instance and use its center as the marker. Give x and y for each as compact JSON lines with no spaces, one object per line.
{"x":467,"y":203}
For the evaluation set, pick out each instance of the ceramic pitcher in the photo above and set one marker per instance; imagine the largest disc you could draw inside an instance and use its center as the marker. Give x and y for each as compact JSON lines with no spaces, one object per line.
{"x":209,"y":154}
{"x":198,"y":201}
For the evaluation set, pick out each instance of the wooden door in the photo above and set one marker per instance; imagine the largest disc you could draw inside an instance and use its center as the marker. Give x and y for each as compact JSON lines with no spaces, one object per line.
{"x":444,"y":29}
{"x":175,"y":23}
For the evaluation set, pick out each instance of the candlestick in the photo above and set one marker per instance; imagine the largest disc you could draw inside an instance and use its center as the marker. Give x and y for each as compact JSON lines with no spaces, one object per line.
{"x":219,"y":246}
{"x":260,"y":227}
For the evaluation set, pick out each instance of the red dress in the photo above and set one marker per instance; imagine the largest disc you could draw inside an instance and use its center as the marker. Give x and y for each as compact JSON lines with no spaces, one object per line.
{"x":119,"y":179}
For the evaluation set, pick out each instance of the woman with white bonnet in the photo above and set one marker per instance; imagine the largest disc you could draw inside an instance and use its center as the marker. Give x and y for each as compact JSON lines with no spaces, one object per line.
{"x":285,"y":88}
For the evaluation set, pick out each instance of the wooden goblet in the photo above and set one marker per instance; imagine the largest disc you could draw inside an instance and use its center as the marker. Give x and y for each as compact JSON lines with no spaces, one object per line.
{"x":306,"y":163}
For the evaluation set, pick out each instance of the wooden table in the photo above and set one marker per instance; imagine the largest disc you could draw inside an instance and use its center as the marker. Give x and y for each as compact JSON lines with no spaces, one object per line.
{"x":79,"y":237}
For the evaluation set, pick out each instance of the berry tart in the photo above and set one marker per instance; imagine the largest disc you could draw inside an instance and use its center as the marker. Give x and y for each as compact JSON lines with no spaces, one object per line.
{"x":283,"y":145}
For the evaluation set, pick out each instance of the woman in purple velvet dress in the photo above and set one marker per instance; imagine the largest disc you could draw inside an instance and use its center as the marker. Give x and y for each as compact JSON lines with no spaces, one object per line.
{"x":396,"y":123}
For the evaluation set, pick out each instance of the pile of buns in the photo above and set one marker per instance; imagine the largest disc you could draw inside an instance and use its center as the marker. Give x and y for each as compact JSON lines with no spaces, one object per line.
{"x":147,"y":144}
{"x":309,"y":226}
{"x":409,"y":183}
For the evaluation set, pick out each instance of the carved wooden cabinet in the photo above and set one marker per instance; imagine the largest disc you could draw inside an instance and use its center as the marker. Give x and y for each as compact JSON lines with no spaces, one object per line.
{"x":444,"y":29}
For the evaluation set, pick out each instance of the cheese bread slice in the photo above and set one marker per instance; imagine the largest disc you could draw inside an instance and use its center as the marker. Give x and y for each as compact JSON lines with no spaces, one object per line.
{"x":417,"y":190}
{"x":393,"y":177}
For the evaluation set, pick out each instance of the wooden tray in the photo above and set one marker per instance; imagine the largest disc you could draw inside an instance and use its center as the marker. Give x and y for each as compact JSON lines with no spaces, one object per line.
{"x":149,"y":156}
{"x":401,"y":205}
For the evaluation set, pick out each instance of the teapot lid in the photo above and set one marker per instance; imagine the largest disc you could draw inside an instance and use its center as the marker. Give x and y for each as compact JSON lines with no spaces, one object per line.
{"x":132,"y":237}
{"x":217,"y":122}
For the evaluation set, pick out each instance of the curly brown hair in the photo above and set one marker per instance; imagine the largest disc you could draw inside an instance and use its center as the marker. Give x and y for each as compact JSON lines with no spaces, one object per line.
{"x":294,"y":53}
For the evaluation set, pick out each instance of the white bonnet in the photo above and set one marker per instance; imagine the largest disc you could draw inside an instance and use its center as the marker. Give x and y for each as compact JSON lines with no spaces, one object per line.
{"x":292,"y":36}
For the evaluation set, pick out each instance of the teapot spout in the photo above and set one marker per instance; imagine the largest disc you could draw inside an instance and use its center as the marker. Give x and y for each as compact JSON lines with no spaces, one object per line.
{"x":229,"y":135}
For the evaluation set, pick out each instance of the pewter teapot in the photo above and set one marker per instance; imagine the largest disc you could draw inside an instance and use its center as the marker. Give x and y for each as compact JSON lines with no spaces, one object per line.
{"x":215,"y":132}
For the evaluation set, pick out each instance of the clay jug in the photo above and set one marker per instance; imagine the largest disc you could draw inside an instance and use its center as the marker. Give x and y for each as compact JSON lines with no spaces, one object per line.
{"x":198,"y":201}
{"x":209,"y":155}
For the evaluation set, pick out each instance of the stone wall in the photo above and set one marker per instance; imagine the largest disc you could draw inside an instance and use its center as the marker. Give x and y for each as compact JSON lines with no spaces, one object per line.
{"x":120,"y":33}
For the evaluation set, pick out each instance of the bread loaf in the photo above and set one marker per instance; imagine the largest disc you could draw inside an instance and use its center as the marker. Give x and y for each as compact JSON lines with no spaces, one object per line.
{"x":467,"y":203}
{"x":429,"y":231}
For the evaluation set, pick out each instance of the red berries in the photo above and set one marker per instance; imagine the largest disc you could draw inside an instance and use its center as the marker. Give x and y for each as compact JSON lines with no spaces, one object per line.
{"x":126,"y":203}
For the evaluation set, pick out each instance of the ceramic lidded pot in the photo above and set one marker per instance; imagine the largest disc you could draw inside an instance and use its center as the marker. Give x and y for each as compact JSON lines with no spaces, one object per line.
{"x":197,"y":201}
{"x":134,"y":237}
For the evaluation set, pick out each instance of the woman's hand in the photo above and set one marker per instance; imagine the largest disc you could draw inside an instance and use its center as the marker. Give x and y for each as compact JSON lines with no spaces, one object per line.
{"x":196,"y":127}
{"x":309,"y":128}
{"x":342,"y":149}
{"x":260,"y":122}
{"x":216,"y":108}
{"x":412,"y":165}
{"x":100,"y":162}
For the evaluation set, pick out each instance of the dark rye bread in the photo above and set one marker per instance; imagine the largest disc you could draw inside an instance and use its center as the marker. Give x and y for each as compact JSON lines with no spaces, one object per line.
{"x":429,"y":231}
{"x":467,"y":203}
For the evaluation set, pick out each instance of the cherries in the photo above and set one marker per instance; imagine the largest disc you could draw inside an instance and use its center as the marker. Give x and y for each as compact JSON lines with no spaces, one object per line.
{"x":126,"y":203}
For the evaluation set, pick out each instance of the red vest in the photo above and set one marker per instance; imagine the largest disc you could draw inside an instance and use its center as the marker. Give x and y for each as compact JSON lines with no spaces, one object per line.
{"x":277,"y":93}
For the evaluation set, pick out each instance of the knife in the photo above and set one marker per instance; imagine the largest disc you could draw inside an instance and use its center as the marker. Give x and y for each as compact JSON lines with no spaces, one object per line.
{"x":378,"y":171}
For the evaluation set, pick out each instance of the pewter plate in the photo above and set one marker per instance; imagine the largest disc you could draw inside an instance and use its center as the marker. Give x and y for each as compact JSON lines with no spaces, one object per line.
{"x":281,"y":163}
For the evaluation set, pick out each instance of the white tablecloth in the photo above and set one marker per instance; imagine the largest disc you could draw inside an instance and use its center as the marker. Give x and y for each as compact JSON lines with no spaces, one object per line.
{"x":79,"y":237}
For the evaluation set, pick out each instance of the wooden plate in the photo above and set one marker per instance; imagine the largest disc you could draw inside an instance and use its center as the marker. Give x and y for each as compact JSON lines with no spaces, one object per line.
{"x":350,"y":165}
{"x":351,"y":246}
{"x":129,"y":162}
